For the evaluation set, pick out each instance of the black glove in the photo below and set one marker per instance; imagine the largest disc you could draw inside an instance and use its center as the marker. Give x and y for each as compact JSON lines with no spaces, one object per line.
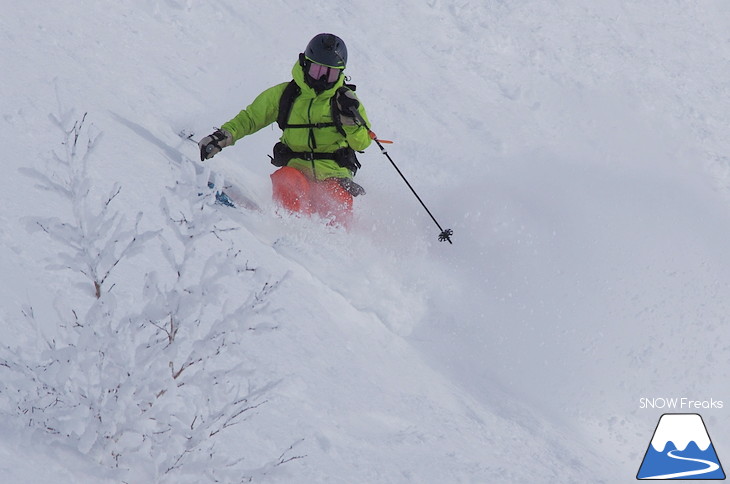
{"x":212,"y":144}
{"x":346,"y":104}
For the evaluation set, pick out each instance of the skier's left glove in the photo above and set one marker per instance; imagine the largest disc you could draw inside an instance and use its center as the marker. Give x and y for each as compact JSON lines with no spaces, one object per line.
{"x":346,"y":103}
{"x":212,"y":144}
{"x":351,"y":187}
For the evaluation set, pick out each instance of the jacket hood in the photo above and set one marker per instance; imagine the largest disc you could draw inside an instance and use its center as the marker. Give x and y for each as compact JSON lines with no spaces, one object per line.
{"x":298,"y":75}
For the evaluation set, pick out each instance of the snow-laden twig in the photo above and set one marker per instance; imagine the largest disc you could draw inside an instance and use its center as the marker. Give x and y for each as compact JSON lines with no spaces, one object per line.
{"x":96,"y":238}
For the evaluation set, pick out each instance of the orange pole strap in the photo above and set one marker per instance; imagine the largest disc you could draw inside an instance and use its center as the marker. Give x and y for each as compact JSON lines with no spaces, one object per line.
{"x":374,"y":136}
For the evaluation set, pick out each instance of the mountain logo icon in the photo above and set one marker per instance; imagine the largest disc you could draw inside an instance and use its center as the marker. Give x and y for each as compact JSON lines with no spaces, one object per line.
{"x":681,"y":449}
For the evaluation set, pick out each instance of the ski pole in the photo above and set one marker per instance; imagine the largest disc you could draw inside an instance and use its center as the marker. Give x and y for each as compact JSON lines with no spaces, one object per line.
{"x":446,"y":234}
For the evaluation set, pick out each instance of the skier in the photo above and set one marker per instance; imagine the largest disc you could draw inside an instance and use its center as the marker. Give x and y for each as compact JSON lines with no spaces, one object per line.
{"x":321,"y":132}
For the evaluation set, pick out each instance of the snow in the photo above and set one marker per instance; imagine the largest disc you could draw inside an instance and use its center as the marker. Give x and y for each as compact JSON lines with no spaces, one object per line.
{"x":578,"y":150}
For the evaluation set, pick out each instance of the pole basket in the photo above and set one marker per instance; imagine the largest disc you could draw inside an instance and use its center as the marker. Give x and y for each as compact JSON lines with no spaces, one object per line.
{"x":446,"y":236}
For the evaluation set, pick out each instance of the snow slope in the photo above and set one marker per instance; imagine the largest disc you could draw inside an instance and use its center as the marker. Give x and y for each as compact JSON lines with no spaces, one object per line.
{"x":578,"y":151}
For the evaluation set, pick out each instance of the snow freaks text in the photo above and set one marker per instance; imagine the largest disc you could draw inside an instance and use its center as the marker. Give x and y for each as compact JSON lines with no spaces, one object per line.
{"x":679,"y":403}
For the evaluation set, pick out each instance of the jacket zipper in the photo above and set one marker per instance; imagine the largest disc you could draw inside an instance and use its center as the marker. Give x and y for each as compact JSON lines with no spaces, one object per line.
{"x":312,"y":140}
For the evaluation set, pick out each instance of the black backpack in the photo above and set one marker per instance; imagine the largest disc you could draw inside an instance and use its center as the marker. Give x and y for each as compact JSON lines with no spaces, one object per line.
{"x":344,"y":157}
{"x":291,"y":92}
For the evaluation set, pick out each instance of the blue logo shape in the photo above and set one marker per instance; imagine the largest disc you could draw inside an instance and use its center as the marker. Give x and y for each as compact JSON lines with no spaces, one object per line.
{"x":681,"y":449}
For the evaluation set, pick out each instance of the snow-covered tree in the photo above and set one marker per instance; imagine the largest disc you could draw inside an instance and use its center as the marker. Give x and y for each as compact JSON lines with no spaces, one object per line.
{"x":147,"y":389}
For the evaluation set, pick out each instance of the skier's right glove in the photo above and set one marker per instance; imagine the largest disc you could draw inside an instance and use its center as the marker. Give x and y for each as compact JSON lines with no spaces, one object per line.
{"x":212,"y":144}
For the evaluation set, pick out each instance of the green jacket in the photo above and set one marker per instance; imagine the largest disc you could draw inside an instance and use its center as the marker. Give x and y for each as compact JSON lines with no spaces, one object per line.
{"x":308,"y":108}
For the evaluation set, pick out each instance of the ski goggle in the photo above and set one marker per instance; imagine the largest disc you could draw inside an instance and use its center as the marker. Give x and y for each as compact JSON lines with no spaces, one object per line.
{"x":316,"y":71}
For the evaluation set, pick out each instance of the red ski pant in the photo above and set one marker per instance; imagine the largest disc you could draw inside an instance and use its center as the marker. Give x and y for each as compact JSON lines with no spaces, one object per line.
{"x":297,"y":193}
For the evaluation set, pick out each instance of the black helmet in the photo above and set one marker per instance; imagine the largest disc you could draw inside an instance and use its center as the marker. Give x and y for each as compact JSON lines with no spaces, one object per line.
{"x":328,"y":50}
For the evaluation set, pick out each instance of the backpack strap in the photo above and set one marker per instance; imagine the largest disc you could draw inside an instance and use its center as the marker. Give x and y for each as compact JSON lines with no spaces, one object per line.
{"x":286,"y":101}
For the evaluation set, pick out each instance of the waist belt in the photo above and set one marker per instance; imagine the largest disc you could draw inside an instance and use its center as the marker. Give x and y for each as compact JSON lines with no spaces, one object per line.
{"x":345,"y":157}
{"x":309,"y":156}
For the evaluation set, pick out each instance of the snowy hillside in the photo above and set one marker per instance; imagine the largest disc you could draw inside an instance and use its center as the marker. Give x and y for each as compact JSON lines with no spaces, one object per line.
{"x":579,"y":150}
